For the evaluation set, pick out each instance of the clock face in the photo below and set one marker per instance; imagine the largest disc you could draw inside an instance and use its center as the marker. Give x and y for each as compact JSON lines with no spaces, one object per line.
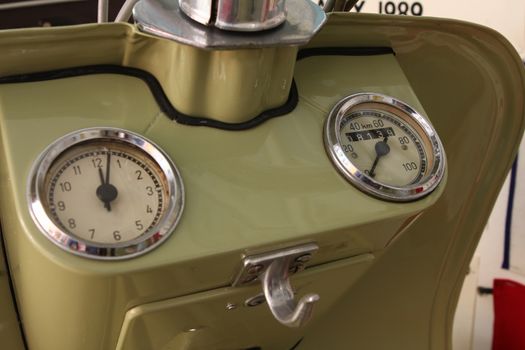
{"x":384,"y":147}
{"x":106,"y":193}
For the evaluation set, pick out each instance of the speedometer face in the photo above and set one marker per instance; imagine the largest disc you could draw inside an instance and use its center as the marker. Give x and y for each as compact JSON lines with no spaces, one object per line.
{"x":105,"y":193}
{"x":384,"y":147}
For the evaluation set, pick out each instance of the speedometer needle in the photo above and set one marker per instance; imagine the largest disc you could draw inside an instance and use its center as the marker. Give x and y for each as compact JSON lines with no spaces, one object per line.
{"x":381,"y":148}
{"x":106,"y":192}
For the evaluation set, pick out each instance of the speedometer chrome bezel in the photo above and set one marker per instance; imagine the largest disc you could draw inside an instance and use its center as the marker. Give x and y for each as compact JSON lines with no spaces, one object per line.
{"x":362,"y":181}
{"x":97,"y":250}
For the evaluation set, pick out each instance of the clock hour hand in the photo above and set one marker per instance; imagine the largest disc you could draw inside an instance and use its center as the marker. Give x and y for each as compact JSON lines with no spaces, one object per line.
{"x":106,"y":192}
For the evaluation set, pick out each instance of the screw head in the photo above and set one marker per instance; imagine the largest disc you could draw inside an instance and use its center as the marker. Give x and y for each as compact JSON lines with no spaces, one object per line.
{"x":231,"y":306}
{"x":255,"y":269}
{"x":256,"y":300}
{"x":303,"y":258}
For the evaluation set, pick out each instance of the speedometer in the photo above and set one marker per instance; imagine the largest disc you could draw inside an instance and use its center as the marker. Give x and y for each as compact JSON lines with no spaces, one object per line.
{"x":384,"y":147}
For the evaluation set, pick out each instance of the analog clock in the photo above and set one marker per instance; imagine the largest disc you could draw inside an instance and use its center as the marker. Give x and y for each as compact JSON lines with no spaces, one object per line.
{"x":105,"y":193}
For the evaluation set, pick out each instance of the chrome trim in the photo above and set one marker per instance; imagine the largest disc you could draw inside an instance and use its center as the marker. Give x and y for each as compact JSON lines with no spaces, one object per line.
{"x":249,"y":15}
{"x":101,"y":251}
{"x":236,"y":15}
{"x":273,"y":270}
{"x":198,"y":10}
{"x":102,"y":11}
{"x":326,"y":5}
{"x":280,"y":296}
{"x":164,"y":18}
{"x":253,"y":266}
{"x":125,"y":11}
{"x":366,"y":183}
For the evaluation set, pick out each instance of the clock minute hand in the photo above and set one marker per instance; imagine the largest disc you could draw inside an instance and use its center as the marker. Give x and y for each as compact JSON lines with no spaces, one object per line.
{"x":108,"y":165}
{"x":101,"y":190}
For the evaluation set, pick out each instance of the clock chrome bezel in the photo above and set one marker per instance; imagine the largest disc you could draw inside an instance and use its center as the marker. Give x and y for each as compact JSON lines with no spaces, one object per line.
{"x":362,"y":181}
{"x":103,"y":251}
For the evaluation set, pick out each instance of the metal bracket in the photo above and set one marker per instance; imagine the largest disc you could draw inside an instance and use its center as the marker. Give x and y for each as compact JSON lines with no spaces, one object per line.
{"x":164,"y":18}
{"x":273,"y":270}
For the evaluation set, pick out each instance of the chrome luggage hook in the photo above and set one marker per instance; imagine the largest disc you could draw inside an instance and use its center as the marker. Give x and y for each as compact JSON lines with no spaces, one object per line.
{"x":280,"y":296}
{"x":273,"y":270}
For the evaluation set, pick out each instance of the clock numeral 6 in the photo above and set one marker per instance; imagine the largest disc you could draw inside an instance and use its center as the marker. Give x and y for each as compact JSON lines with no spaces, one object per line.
{"x":117,"y":236}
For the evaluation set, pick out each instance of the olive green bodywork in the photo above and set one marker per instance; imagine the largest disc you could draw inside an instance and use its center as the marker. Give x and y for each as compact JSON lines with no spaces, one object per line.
{"x":388,"y":274}
{"x":250,"y":81}
{"x":10,"y":335}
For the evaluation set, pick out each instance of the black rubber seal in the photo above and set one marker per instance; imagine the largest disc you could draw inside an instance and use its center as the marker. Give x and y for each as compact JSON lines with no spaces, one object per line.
{"x":166,"y":106}
{"x":158,"y":93}
{"x":345,"y":51}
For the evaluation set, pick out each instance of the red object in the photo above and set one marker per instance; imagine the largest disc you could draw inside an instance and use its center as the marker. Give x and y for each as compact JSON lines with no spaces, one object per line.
{"x":509,"y":315}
